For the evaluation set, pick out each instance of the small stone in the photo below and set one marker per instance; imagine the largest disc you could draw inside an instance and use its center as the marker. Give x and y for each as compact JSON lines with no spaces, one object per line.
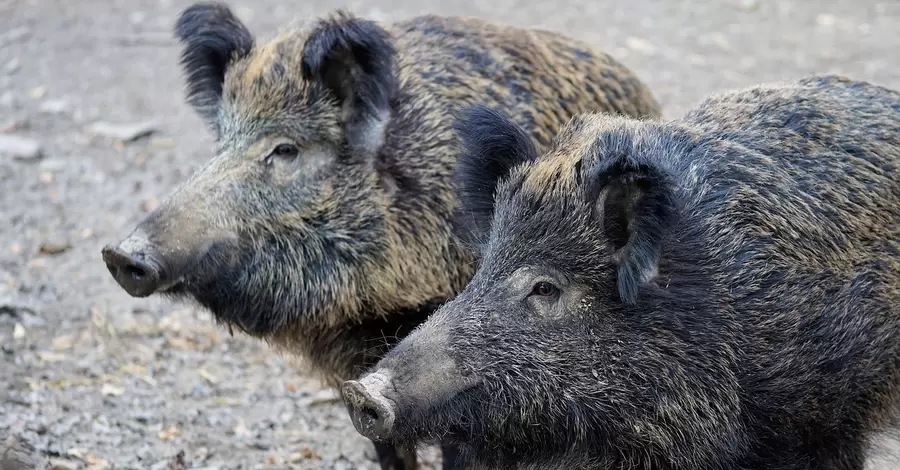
{"x":177,"y":462}
{"x":148,"y":205}
{"x":20,"y":148}
{"x":169,"y":434}
{"x":162,"y":143}
{"x":8,"y":100}
{"x":826,"y":20}
{"x":54,"y":106}
{"x":54,"y":165}
{"x":46,"y":177}
{"x":137,"y":17}
{"x":12,"y":66}
{"x":18,"y":331}
{"x":54,"y":247}
{"x":47,"y":356}
{"x":37,"y":92}
{"x":111,"y":390}
{"x":60,"y":464}
{"x":750,"y":5}
{"x":14,"y":125}
{"x":16,"y":34}
{"x":123,"y":132}
{"x":640,"y":45}
{"x":62,"y":343}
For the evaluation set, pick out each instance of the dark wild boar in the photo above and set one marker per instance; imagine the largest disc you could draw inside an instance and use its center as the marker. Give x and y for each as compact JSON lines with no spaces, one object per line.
{"x":720,"y":291}
{"x":323,"y":222}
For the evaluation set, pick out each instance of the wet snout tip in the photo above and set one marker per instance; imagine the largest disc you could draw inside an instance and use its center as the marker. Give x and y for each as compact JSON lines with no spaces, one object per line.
{"x":372,"y":414}
{"x":132,"y":269}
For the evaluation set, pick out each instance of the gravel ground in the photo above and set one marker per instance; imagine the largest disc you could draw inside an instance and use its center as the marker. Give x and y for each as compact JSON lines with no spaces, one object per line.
{"x":95,"y":379}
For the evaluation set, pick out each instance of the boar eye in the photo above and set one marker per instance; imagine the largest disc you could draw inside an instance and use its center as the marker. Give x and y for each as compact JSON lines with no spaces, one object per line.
{"x":544,"y":289}
{"x":285,"y":151}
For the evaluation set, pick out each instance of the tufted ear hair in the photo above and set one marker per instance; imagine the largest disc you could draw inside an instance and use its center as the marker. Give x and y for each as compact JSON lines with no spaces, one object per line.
{"x":353,"y":58}
{"x":491,"y":146}
{"x":636,"y":199}
{"x":212,"y":37}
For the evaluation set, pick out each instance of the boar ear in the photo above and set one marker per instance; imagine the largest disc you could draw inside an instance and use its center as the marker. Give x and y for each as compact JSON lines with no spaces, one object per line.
{"x":637,"y":202}
{"x":491,"y":145}
{"x":212,"y":37}
{"x":353,"y":58}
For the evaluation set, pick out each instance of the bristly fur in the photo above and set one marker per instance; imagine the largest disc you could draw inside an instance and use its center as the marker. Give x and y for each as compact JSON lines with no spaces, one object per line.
{"x":213,"y":37}
{"x":491,"y":146}
{"x":768,"y":336}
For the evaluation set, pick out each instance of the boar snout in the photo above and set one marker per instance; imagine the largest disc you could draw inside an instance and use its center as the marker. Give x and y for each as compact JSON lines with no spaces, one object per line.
{"x":136,"y":265}
{"x":372,"y":413}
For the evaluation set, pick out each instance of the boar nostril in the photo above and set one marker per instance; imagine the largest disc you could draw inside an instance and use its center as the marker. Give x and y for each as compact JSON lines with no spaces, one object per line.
{"x":369,"y":413}
{"x":135,"y":272}
{"x":372,"y":414}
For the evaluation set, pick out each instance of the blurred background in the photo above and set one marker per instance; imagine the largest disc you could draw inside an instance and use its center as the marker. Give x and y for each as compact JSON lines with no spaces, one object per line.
{"x":94,"y":132}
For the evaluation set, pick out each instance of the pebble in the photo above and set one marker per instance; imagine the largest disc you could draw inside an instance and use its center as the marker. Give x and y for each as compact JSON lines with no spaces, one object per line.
{"x":37,"y":92}
{"x":8,"y":100}
{"x":54,"y":247}
{"x":125,"y":132}
{"x":54,"y":106}
{"x":12,"y":66}
{"x":53,"y":165}
{"x":60,"y":464}
{"x":20,"y":148}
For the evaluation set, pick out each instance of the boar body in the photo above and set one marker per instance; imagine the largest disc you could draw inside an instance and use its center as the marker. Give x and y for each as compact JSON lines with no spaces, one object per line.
{"x":323,"y":222}
{"x":720,"y":291}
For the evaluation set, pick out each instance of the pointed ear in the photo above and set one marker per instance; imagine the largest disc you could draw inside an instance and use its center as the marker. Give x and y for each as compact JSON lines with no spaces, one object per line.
{"x":491,"y":146}
{"x":638,"y":206}
{"x":353,"y":58}
{"x":212,"y":37}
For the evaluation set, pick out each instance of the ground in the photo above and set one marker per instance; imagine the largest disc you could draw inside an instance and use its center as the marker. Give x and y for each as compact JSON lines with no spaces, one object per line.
{"x":95,"y":379}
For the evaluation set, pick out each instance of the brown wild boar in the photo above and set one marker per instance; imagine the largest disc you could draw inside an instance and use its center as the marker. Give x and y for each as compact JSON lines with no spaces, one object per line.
{"x":323,"y":222}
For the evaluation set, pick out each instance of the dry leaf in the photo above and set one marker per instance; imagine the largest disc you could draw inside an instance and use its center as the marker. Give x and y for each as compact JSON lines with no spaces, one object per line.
{"x":162,"y":143}
{"x":134,"y":369}
{"x":208,"y":376}
{"x":61,"y":343}
{"x":96,"y":463}
{"x":169,"y":434}
{"x":271,"y":461}
{"x":18,"y":331}
{"x":112,"y":390}
{"x":292,"y":387}
{"x":48,"y":356}
{"x":308,"y":453}
{"x":16,"y":249}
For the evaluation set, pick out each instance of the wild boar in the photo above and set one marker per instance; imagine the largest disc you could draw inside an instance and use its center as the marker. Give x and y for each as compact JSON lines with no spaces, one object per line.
{"x":719,"y":291}
{"x":323,"y":222}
